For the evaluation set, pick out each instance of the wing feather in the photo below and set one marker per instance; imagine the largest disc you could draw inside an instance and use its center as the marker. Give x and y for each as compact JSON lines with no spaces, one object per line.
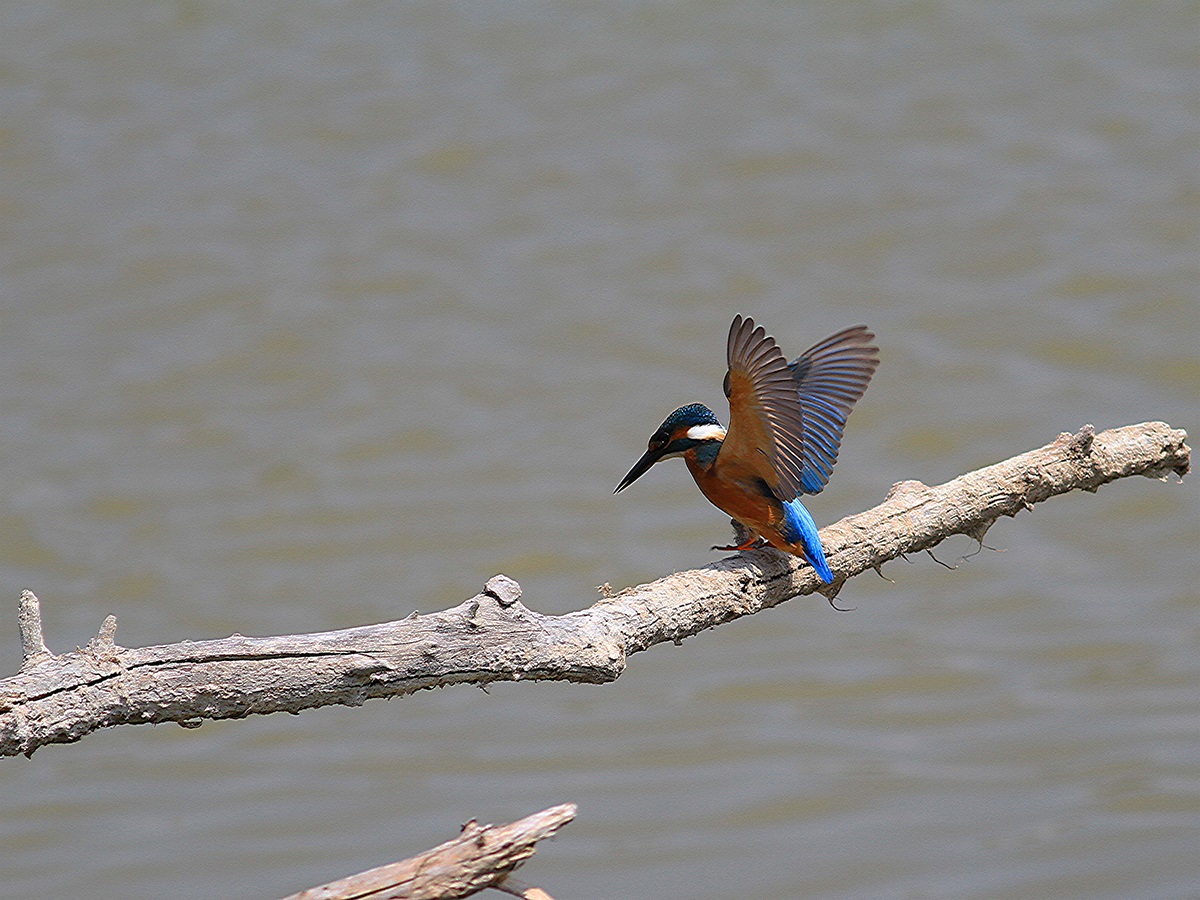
{"x":829,"y":378}
{"x":766,"y":418}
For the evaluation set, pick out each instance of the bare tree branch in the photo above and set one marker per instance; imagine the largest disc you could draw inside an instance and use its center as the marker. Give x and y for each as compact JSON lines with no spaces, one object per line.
{"x":481,"y":857}
{"x":493,"y":636}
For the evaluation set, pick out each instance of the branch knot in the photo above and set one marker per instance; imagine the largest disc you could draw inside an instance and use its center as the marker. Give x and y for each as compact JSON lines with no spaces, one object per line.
{"x":504,"y":589}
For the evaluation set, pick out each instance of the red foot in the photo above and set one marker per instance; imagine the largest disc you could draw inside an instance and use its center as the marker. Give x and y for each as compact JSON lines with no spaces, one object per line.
{"x":751,"y":544}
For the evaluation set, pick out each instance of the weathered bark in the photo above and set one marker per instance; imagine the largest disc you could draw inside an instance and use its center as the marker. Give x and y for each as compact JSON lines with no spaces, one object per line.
{"x":481,"y":857}
{"x":492,"y":636}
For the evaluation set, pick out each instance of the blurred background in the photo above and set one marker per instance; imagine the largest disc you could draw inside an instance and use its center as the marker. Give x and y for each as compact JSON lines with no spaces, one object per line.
{"x":315,"y":314}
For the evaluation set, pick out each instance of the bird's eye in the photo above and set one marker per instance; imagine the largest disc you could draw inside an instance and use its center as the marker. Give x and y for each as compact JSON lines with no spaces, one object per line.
{"x":658,"y":441}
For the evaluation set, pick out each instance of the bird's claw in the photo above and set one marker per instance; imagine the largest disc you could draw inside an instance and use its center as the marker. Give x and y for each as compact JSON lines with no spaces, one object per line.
{"x":754,"y":543}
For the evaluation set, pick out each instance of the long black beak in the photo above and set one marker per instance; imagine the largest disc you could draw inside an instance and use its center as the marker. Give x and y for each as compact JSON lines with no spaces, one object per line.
{"x":640,"y":468}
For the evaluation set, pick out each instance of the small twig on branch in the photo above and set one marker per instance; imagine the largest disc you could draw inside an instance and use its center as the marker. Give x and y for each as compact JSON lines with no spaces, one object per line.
{"x":494,"y":637}
{"x":482,"y":856}
{"x":510,"y":885}
{"x":29,"y":620}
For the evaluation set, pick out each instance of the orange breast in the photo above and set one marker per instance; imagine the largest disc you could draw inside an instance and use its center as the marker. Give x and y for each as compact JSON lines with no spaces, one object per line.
{"x":738,"y":499}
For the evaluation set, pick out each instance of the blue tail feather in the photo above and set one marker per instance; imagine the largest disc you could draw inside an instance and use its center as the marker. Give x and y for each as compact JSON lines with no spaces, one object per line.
{"x":799,"y":527}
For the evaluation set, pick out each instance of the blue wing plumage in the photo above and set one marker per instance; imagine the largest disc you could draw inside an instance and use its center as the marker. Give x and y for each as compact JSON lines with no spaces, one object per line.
{"x":830,"y":378}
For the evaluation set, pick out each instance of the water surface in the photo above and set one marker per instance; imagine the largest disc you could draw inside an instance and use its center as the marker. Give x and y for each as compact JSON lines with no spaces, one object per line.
{"x":314,"y":315}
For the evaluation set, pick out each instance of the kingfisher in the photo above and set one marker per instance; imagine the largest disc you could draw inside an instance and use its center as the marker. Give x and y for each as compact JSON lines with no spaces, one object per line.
{"x":785,"y":428}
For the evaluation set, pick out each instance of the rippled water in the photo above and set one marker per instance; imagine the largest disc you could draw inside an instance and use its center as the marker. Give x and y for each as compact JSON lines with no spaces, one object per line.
{"x":313,"y":315}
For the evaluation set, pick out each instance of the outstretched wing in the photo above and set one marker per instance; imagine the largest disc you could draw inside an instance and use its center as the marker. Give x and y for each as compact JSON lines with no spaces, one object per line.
{"x":830,"y":377}
{"x":765,"y":438}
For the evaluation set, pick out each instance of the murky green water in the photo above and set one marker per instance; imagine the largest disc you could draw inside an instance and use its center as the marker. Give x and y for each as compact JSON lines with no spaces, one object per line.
{"x":313,"y":315}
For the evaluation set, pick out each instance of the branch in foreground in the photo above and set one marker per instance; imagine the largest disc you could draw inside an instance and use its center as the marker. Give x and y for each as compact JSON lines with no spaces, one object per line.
{"x":481,"y":857}
{"x":494,"y":637}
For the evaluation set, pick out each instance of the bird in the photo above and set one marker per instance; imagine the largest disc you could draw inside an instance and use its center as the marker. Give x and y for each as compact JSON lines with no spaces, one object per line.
{"x":785,"y":428}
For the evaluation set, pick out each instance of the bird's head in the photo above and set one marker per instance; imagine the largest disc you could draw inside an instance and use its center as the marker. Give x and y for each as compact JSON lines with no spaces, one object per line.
{"x":685,"y":429}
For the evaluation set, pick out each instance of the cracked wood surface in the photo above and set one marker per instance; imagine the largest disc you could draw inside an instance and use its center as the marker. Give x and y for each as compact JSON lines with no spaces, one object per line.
{"x":493,"y":636}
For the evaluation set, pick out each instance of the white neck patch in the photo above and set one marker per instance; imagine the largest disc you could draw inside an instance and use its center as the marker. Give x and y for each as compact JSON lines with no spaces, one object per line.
{"x":705,"y":432}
